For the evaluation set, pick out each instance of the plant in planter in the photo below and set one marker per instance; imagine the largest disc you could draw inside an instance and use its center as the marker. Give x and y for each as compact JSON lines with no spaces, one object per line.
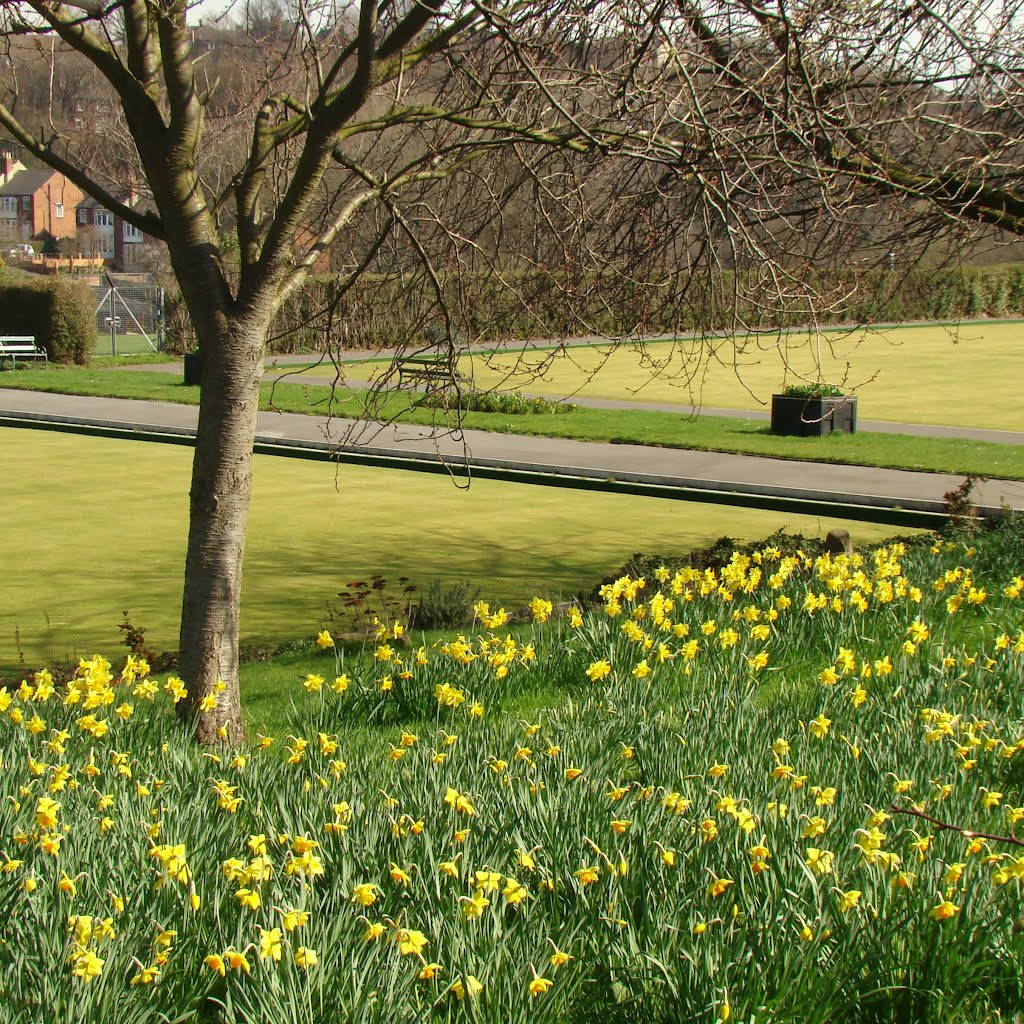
{"x":813,"y":410}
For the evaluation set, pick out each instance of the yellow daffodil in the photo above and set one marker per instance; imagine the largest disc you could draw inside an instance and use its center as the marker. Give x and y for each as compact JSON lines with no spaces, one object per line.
{"x":466,"y":987}
{"x":538,"y":986}
{"x":410,"y":942}
{"x":305,"y":957}
{"x":270,"y":944}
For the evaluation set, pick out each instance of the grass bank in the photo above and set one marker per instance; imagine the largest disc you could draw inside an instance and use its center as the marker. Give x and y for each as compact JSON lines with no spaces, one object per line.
{"x":786,"y":790}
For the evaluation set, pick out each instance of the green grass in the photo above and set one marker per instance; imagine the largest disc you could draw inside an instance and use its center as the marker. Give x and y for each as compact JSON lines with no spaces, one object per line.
{"x":109,"y":521}
{"x":920,"y":374}
{"x":127,"y":344}
{"x":939,"y":374}
{"x":936,"y":375}
{"x":145,"y":358}
{"x":708,"y":433}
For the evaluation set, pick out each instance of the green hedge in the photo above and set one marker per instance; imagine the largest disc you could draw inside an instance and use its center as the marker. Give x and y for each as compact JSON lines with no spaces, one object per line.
{"x":59,"y":314}
{"x":380,"y":312}
{"x":388,"y":311}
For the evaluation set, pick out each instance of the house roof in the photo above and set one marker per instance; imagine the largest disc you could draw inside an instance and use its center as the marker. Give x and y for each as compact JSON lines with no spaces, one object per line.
{"x":143,"y":204}
{"x":26,"y":183}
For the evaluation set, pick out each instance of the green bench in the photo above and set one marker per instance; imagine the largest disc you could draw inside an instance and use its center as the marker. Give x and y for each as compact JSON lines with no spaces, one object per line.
{"x":15,"y":347}
{"x":431,"y":370}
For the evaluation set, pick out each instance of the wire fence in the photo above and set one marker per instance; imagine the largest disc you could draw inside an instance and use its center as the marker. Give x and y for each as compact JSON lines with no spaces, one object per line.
{"x":129,"y":315}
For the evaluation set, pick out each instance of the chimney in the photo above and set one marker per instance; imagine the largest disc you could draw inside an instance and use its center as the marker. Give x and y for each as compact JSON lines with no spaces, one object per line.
{"x":9,"y":163}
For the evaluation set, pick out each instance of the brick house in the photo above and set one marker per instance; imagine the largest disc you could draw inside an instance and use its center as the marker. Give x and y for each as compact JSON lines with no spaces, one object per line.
{"x":38,"y":205}
{"x":103,"y":233}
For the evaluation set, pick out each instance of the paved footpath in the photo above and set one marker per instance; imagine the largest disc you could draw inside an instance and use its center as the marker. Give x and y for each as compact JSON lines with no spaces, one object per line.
{"x":277,"y":368}
{"x":761,"y":480}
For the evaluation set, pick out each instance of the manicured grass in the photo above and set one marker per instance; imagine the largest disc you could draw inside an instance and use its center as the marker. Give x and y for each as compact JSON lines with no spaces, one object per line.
{"x":909,"y":375}
{"x":708,"y":433}
{"x":98,"y":380}
{"x":918,"y":374}
{"x":126,"y":344}
{"x":754,"y":437}
{"x":145,"y":358}
{"x":109,"y":520}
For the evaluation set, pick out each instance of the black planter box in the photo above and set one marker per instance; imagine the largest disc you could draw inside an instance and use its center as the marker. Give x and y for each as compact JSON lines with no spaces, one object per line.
{"x":193,"y":368}
{"x":800,"y":416}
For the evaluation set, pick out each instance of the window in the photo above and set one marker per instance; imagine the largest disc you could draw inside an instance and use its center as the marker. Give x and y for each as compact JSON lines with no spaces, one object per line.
{"x":104,"y":219}
{"x":59,"y":210}
{"x":83,"y":216}
{"x":26,"y":202}
{"x":132,"y":233}
{"x":8,"y":206}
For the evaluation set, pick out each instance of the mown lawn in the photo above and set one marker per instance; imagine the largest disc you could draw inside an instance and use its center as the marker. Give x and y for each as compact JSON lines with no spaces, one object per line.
{"x":921,"y":374}
{"x":945,"y":375}
{"x":109,"y":528}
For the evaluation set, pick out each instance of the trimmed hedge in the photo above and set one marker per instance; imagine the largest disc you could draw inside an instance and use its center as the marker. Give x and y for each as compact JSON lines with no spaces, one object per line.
{"x":380,"y":312}
{"x":384,"y":312}
{"x":59,"y":314}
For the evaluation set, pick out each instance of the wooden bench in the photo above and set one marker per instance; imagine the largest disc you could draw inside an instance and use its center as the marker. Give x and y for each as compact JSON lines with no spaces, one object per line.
{"x":432,"y":370}
{"x":23,"y":348}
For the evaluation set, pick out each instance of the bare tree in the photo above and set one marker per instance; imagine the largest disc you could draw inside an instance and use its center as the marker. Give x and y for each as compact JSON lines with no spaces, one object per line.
{"x":341,"y":129}
{"x":595,"y":145}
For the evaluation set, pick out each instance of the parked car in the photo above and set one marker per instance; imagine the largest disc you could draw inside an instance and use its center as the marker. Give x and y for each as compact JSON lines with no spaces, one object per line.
{"x":21,"y":251}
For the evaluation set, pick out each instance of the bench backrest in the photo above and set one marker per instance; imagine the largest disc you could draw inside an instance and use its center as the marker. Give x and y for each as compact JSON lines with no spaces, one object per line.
{"x":424,"y":360}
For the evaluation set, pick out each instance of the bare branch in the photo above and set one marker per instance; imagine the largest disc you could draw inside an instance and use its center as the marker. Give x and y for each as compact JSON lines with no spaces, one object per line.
{"x":945,"y":826}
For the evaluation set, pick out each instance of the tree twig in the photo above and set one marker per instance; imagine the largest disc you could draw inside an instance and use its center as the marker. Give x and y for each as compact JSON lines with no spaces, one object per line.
{"x":967,"y":833}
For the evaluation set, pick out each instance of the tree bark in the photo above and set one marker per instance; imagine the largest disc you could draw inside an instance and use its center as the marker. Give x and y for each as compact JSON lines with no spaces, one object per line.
{"x":232,"y":366}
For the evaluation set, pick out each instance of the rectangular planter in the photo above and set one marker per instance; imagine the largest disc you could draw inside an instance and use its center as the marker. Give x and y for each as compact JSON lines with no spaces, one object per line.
{"x":799,"y":416}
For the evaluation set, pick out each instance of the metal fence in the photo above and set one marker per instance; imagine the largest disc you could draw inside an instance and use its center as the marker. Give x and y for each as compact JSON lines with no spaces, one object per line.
{"x":129,"y":315}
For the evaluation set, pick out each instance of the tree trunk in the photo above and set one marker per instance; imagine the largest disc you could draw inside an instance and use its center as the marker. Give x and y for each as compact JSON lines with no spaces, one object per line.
{"x":232,"y":366}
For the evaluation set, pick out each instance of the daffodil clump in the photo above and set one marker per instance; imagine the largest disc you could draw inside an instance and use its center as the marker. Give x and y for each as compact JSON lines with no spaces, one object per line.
{"x":789,"y":789}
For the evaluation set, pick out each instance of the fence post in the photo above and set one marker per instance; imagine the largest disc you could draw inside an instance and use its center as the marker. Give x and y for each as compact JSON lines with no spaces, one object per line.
{"x":113,"y":322}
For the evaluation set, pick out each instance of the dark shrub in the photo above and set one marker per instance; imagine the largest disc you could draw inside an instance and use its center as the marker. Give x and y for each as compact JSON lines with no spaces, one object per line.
{"x":59,"y":314}
{"x":72,"y":323}
{"x":444,"y":607}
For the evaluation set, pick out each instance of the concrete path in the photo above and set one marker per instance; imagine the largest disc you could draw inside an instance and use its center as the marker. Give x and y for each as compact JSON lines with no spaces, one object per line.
{"x":701,"y":475}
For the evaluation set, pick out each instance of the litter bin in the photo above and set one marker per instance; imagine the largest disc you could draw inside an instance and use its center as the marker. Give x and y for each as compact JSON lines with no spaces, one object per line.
{"x":193,"y":368}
